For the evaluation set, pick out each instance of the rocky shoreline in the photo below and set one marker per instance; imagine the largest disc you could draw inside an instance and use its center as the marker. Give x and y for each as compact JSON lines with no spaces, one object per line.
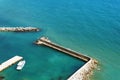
{"x":18,"y":29}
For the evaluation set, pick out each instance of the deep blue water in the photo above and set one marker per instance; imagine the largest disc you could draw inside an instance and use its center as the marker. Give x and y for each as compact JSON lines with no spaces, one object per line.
{"x":89,"y":27}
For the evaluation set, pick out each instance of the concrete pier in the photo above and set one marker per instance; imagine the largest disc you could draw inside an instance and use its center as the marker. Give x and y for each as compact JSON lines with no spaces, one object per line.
{"x":18,"y":29}
{"x":9,"y":62}
{"x":84,"y":72}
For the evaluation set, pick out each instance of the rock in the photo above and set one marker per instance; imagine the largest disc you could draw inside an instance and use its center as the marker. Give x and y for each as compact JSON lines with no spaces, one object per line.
{"x":2,"y":77}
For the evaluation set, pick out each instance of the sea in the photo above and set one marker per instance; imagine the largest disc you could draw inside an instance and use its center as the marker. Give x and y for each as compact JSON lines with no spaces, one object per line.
{"x":90,"y":27}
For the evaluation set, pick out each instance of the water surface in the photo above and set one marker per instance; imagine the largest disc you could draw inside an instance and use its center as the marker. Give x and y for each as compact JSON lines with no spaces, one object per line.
{"x":89,"y":27}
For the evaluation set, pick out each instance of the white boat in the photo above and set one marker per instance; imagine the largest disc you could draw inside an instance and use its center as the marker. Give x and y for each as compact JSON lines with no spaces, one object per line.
{"x":20,"y":65}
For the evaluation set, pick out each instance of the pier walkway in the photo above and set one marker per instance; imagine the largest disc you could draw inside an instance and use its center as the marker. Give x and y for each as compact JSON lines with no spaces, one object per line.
{"x":9,"y":62}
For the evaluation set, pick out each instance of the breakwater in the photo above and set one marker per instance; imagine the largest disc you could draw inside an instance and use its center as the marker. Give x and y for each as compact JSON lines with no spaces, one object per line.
{"x":18,"y":29}
{"x":85,"y":71}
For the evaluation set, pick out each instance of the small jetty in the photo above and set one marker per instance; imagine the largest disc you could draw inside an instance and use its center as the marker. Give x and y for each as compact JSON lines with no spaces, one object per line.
{"x":18,"y":29}
{"x":10,"y":62}
{"x":84,"y":72}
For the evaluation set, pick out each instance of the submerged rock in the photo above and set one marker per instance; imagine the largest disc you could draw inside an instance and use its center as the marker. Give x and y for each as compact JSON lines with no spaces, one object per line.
{"x":2,"y":77}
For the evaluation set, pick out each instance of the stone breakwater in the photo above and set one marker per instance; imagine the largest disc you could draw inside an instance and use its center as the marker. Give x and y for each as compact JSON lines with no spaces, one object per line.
{"x":18,"y":29}
{"x":85,"y":71}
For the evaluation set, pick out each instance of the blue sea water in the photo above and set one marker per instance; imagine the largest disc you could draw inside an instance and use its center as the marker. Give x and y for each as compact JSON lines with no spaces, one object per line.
{"x":89,"y":27}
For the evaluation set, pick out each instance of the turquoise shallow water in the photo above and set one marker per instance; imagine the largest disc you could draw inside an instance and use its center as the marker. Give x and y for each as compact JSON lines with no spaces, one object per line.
{"x":89,"y":27}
